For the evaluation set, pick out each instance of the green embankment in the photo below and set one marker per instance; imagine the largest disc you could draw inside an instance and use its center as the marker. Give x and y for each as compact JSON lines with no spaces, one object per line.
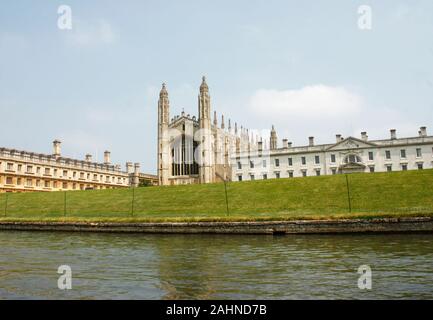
{"x":371,"y":195}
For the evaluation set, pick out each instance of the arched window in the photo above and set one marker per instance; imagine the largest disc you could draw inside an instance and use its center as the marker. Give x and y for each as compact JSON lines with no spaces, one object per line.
{"x":352,"y":158}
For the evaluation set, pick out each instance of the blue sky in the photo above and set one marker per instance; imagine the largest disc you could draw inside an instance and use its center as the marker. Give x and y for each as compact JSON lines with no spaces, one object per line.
{"x":304,"y":66}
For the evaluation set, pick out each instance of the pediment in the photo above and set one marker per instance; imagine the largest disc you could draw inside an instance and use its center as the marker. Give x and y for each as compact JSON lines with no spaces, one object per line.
{"x":351,"y":143}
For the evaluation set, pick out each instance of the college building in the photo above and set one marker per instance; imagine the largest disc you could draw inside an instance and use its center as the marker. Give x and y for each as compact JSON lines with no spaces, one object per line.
{"x":198,"y":150}
{"x":22,"y":171}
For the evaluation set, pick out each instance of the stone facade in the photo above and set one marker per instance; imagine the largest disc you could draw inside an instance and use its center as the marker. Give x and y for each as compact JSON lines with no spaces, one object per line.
{"x":22,"y":171}
{"x":196,"y":150}
{"x":346,"y":155}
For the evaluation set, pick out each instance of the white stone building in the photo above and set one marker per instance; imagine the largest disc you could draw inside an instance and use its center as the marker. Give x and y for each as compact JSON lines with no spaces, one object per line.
{"x":197,"y":150}
{"x":345,"y":155}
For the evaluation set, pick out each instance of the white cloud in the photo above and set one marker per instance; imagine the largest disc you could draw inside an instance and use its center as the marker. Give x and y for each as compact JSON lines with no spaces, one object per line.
{"x":316,"y":101}
{"x":90,"y":34}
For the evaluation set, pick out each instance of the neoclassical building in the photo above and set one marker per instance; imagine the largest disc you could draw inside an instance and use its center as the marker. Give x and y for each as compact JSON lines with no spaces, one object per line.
{"x":22,"y":171}
{"x":345,"y":155}
{"x":198,"y":150}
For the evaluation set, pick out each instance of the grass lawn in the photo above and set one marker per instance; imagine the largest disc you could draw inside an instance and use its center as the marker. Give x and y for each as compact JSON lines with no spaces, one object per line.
{"x":395,"y":194}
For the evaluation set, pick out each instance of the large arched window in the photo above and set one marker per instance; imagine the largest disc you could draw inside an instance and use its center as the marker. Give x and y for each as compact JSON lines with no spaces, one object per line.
{"x":352,"y":158}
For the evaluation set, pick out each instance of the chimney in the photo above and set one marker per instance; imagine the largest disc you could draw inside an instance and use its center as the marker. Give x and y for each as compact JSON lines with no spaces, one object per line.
{"x":56,"y":148}
{"x":364,"y":136}
{"x":311,"y":141}
{"x":289,"y":144}
{"x":107,"y":157}
{"x":284,"y":143}
{"x":88,"y":157}
{"x":129,"y":167}
{"x":393,"y":134}
{"x":423,"y":131}
{"x":338,"y":137}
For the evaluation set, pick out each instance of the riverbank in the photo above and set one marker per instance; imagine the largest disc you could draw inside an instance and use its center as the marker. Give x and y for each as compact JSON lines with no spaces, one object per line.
{"x":372,"y":195}
{"x":375,"y":225}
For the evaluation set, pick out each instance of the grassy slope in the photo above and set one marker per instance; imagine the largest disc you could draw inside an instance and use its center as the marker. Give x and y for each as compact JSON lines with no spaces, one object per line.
{"x":373,"y":195}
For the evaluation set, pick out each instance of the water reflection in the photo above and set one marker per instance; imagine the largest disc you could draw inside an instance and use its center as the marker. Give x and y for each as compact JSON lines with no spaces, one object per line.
{"x":134,"y":266}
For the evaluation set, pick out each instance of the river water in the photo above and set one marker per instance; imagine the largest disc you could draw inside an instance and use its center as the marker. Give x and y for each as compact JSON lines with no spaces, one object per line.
{"x":137,"y":266}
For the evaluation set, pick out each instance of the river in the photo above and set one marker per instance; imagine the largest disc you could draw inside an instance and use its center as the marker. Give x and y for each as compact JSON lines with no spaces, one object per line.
{"x":144,"y":266}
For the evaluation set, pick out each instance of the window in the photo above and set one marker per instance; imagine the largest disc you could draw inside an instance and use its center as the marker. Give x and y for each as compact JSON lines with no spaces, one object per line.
{"x":290,"y":174}
{"x":317,"y":159}
{"x":290,"y":162}
{"x":29,"y":182}
{"x":389,"y":168}
{"x":370,"y":156}
{"x":239,"y":178}
{"x":65,"y":173}
{"x":372,"y":169}
{"x":20,"y":166}
{"x":55,"y":184}
{"x":352,"y":158}
{"x":388,"y":155}
{"x":81,"y":175}
{"x":74,"y":174}
{"x":277,"y":162}
{"x":19,"y":181}
{"x":317,"y":172}
{"x":38,"y":170}
{"x":10,"y":166}
{"x":304,"y":161}
{"x":404,"y":167}
{"x":65,"y":185}
{"x":29,"y":169}
{"x":8,"y":180}
{"x":403,"y":153}
{"x":418,"y":153}
{"x":47,"y":184}
{"x":252,"y":177}
{"x":264,"y":163}
{"x":304,"y":173}
{"x":420,"y":166}
{"x":47,"y":171}
{"x":333,"y":158}
{"x":38,"y":183}
{"x":251,"y":164}
{"x":265,"y":176}
{"x":334,"y":171}
{"x":55,"y":172}
{"x":239,"y":165}
{"x":277,"y":175}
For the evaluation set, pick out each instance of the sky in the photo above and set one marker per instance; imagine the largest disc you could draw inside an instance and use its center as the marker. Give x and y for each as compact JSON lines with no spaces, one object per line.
{"x":306,"y":67}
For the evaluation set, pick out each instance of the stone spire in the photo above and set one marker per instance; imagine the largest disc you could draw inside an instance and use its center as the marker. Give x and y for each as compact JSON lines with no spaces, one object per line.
{"x":222,"y":122}
{"x":273,"y":139}
{"x":230,"y":124}
{"x":204,"y":87}
{"x":163,"y":139}
{"x":215,"y":121}
{"x":163,"y":92}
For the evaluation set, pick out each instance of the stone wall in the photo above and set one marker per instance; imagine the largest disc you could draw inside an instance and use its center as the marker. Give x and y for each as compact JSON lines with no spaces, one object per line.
{"x":385,"y":225}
